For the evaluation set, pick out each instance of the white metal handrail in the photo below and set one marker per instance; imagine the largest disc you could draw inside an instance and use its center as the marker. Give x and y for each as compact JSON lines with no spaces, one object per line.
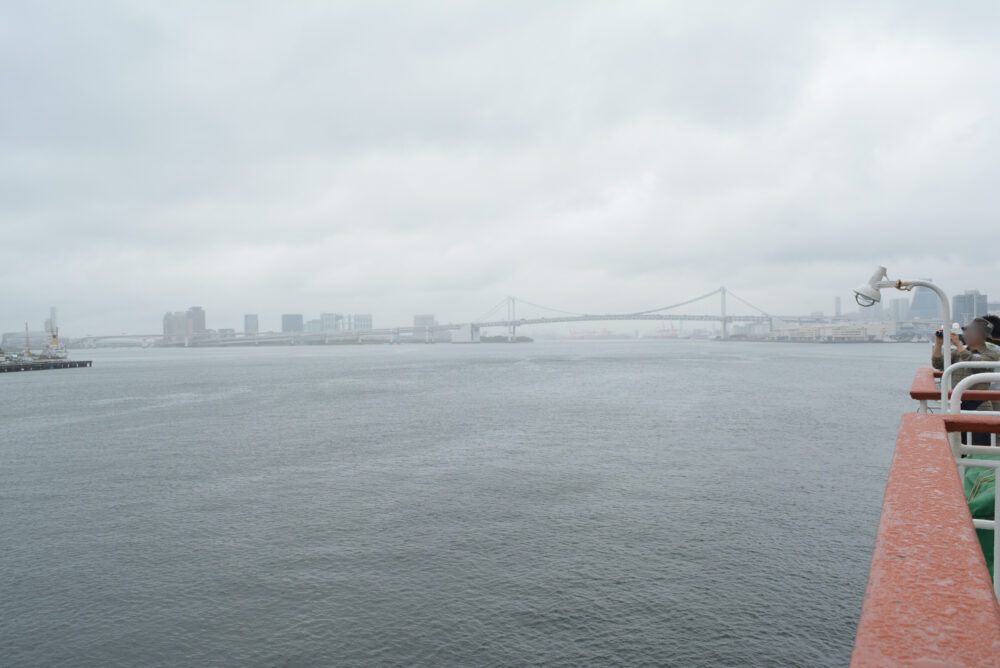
{"x":956,"y":395}
{"x":958,"y":448}
{"x":947,"y":374}
{"x":962,"y":450}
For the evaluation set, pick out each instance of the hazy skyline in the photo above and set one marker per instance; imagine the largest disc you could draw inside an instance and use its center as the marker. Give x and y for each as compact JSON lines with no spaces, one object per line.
{"x":398,"y":158}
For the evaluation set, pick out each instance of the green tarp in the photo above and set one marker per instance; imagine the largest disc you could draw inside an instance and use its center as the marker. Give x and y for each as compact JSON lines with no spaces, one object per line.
{"x":980,"y":491}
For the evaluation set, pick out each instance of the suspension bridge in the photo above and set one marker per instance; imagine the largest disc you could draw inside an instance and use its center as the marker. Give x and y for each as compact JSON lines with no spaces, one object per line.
{"x":504,"y":314}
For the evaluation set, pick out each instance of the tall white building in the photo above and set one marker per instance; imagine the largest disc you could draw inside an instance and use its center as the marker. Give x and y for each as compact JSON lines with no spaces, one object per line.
{"x":332,"y":322}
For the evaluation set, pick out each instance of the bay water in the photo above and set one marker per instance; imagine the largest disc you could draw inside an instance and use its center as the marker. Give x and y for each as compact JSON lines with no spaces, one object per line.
{"x":670,"y":503}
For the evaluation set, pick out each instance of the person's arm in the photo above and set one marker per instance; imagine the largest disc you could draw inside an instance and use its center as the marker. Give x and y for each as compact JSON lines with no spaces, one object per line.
{"x":937,"y":355}
{"x":956,"y":341}
{"x":960,"y":354}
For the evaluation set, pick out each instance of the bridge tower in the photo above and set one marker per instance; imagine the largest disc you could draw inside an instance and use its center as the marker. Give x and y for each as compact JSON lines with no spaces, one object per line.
{"x":511,"y":320}
{"x":722,"y":294}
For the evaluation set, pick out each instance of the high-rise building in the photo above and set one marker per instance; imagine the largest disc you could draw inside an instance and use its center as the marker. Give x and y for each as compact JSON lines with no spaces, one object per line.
{"x":184,"y":325}
{"x":836,"y":306}
{"x":251,"y":324}
{"x":197,"y":316}
{"x":422,"y":324}
{"x":51,"y":324}
{"x":968,"y":305}
{"x":332,"y":322}
{"x":899,"y":309}
{"x":925,"y":305}
{"x":362,"y":321}
{"x":291,"y":323}
{"x":177,"y":327}
{"x":314,"y":326}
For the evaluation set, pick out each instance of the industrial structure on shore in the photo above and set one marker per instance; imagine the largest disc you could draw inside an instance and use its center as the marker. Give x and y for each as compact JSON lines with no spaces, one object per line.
{"x":53,"y":354}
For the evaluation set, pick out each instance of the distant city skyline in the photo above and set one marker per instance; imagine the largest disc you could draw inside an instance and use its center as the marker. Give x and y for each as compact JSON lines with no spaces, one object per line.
{"x":918,"y":304}
{"x":921,"y":303}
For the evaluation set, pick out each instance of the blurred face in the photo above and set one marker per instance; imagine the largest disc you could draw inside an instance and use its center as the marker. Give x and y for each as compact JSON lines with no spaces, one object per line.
{"x":974,"y":336}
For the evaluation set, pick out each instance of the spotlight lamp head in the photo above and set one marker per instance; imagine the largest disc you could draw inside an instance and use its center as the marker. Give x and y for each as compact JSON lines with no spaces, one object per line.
{"x":868,"y":294}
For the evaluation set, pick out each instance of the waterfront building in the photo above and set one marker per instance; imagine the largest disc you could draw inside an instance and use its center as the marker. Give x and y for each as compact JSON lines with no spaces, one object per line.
{"x":291,"y":323}
{"x":836,"y":333}
{"x":422,"y":324}
{"x":332,"y":322}
{"x":875,"y":313}
{"x":836,"y":307}
{"x":899,"y":309}
{"x":466,"y":334}
{"x":16,"y":341}
{"x":968,"y":305}
{"x":251,"y":324}
{"x":177,"y":327}
{"x":51,"y":323}
{"x":926,"y":305}
{"x":314,"y":326}
{"x":181,"y":326}
{"x":197,"y":316}
{"x":362,"y":321}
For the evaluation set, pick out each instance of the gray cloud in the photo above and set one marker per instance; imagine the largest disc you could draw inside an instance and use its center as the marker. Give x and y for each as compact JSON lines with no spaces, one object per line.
{"x":411,"y":157}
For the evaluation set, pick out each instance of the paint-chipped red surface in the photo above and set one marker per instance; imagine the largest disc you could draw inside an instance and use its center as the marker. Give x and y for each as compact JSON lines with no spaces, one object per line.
{"x":929,"y":600}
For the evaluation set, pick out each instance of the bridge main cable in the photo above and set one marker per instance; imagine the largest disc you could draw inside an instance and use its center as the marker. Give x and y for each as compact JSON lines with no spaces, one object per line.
{"x":690,"y":301}
{"x":546,"y":308}
{"x":490,"y":312}
{"x":740,"y":299}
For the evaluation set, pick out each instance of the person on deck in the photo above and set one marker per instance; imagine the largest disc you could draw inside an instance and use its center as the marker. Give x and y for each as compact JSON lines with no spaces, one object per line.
{"x":977,"y":333}
{"x":994,"y":342}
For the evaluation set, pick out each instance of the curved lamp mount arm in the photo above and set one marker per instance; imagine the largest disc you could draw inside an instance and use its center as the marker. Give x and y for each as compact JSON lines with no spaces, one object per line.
{"x":868,"y":294}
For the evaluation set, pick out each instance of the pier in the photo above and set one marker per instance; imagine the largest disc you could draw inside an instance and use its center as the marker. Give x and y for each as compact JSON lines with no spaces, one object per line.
{"x":38,"y":365}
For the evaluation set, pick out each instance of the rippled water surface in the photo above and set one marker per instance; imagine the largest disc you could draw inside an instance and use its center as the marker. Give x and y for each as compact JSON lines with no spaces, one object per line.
{"x":628,"y":503}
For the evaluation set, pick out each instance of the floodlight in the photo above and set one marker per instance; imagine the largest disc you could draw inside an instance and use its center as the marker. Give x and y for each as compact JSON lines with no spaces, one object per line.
{"x":868,"y":294}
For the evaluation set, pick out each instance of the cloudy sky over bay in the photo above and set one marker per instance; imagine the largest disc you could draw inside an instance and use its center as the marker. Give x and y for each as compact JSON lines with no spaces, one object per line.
{"x":409,"y":157}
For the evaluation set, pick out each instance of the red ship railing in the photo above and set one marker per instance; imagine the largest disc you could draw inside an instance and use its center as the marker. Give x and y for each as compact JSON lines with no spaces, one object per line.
{"x":930,"y":599}
{"x":925,"y":387}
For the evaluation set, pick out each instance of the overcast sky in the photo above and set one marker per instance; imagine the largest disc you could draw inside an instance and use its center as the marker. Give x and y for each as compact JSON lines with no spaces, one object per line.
{"x":410,"y":157}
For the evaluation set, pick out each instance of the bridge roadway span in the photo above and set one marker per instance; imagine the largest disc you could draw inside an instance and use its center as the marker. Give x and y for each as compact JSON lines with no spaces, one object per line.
{"x":349,"y":334}
{"x":623,"y":316}
{"x":396,"y":331}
